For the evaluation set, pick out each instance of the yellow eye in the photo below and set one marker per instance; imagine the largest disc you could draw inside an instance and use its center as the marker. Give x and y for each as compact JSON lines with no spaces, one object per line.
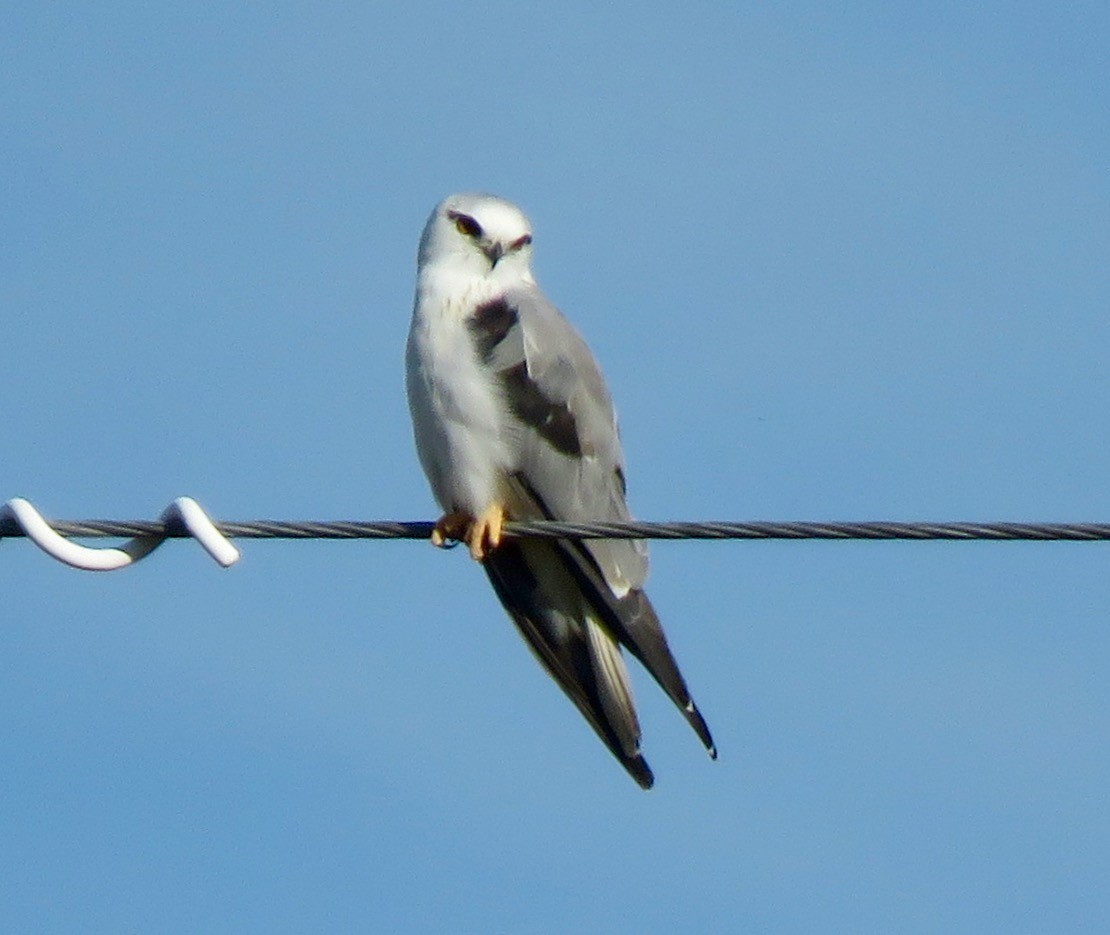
{"x":466,"y":225}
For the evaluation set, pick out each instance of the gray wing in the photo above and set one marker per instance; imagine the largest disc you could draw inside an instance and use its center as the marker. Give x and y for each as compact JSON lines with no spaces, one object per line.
{"x":569,"y":466}
{"x":530,"y":580}
{"x":564,"y":428}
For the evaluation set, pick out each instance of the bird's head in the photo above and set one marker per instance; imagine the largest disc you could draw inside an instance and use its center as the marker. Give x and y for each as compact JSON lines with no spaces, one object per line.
{"x":478,"y":235}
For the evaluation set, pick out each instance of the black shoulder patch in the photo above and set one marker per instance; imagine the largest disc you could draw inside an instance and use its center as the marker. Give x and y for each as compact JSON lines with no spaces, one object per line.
{"x":553,"y":421}
{"x":489,"y":325}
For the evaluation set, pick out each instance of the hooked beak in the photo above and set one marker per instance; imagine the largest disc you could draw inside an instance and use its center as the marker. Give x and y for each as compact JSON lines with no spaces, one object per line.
{"x":493,"y":252}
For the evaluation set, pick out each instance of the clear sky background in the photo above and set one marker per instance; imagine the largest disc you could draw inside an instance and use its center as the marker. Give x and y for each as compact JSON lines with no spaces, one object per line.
{"x":838,"y":261}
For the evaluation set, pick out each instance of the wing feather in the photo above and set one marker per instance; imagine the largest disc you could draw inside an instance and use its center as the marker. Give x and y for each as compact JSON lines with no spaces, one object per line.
{"x":632,"y":620}
{"x":569,"y":465}
{"x":578,"y":471}
{"x":582,"y":666}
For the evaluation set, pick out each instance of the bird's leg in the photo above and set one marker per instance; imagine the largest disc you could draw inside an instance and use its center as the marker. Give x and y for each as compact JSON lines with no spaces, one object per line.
{"x":453,"y":527}
{"x":484,"y":534}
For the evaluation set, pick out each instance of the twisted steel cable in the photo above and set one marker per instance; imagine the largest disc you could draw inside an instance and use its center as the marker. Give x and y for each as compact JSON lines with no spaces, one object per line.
{"x":550,"y":529}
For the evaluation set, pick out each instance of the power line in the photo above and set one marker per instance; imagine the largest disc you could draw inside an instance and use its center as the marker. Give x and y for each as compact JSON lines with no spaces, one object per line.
{"x":186,"y":518}
{"x":551,"y":529}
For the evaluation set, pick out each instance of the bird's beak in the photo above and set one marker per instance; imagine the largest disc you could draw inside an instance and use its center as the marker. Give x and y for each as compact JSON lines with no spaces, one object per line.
{"x":494,"y":252}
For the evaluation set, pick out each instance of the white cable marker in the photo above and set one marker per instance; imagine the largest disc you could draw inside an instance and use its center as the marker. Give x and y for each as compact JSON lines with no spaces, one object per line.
{"x":203,"y":530}
{"x":187,"y":510}
{"x":78,"y":556}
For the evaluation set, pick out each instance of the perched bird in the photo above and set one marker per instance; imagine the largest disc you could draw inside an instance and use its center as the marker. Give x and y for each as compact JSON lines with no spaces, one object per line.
{"x":513,"y":420}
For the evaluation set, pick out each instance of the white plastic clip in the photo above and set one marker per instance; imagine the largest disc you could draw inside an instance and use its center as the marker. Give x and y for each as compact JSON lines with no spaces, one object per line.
{"x":183,"y":509}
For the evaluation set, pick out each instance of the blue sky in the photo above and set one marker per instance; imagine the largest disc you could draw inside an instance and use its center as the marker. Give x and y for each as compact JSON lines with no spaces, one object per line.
{"x":839,"y":262}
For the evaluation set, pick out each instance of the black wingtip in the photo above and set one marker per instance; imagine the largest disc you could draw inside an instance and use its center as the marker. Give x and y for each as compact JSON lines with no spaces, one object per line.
{"x":696,"y":721}
{"x":639,"y":770}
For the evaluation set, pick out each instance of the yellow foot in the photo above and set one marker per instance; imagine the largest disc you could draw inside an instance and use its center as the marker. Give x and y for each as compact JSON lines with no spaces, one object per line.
{"x":482,"y":534}
{"x":451,"y":527}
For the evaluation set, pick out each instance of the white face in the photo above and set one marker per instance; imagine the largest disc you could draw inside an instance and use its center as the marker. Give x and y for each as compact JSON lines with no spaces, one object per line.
{"x":478,"y":234}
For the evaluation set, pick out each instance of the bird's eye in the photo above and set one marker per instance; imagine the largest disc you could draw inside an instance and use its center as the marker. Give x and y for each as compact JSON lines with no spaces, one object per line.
{"x":465,"y":224}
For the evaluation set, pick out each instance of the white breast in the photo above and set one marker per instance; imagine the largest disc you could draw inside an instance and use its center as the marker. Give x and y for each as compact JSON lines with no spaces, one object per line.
{"x":456,"y":407}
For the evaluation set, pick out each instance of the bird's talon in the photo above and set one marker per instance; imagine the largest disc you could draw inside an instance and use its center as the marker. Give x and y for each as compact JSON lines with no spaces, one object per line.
{"x":451,"y":529}
{"x":484,"y":534}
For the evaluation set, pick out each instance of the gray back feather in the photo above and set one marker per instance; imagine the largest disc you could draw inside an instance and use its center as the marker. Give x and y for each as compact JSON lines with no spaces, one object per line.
{"x":590,"y":485}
